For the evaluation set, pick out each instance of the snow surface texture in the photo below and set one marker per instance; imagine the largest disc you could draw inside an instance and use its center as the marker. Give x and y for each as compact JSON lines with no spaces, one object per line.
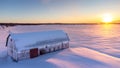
{"x":91,"y":46}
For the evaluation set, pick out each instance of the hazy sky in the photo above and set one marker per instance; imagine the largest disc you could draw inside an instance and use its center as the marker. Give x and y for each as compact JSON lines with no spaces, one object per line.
{"x":57,"y":10}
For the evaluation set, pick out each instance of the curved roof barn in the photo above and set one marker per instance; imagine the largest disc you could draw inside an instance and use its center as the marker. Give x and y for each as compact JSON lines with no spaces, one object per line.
{"x":35,"y":39}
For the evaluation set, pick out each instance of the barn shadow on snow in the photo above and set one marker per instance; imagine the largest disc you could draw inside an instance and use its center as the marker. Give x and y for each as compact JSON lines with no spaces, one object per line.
{"x":41,"y":60}
{"x":66,"y":57}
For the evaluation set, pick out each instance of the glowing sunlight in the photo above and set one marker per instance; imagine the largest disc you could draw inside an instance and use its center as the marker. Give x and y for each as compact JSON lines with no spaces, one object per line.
{"x":107,"y":30}
{"x":107,"y":18}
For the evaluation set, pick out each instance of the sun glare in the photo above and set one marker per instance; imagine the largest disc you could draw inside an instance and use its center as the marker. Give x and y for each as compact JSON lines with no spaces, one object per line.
{"x":107,"y":18}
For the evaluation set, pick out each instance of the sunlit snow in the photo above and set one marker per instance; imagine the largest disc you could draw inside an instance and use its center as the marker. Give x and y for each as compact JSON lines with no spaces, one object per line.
{"x":91,"y":46}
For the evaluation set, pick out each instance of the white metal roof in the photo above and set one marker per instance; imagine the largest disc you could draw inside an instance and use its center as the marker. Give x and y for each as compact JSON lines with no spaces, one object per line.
{"x":35,"y":39}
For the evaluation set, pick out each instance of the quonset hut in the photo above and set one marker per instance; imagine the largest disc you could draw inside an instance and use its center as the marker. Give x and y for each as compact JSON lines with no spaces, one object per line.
{"x":29,"y":45}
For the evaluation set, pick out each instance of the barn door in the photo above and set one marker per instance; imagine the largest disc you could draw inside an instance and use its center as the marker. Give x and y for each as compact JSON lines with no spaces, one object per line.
{"x":33,"y":52}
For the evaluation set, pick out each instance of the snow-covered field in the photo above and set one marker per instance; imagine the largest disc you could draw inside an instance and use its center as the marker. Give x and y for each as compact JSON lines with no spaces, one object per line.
{"x":91,"y":46}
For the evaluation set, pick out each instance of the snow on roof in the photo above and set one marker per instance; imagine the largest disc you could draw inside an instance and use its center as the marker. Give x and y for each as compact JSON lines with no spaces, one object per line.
{"x":35,"y":39}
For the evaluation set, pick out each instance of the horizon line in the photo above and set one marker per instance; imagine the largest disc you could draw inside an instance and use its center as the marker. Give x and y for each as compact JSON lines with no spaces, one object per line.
{"x":54,"y":23}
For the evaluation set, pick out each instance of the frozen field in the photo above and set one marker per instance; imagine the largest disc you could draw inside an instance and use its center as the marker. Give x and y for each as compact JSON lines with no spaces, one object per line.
{"x":91,"y":46}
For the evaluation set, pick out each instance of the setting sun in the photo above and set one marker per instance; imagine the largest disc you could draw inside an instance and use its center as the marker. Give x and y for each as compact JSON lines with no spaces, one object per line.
{"x":107,"y":18}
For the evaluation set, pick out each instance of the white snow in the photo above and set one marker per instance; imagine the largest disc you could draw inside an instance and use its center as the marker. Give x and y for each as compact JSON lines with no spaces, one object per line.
{"x":91,"y":46}
{"x":30,"y":39}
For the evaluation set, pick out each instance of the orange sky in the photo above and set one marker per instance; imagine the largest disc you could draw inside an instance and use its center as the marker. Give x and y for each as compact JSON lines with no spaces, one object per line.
{"x":58,"y":11}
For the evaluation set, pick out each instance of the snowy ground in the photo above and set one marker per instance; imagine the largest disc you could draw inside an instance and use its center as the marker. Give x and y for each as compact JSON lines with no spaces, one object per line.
{"x":91,"y":46}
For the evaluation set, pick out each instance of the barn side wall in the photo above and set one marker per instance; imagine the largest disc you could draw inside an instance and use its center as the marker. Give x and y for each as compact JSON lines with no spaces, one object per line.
{"x":25,"y":54}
